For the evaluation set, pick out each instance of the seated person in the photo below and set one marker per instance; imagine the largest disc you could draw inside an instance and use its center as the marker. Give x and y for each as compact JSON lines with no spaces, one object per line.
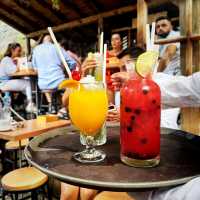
{"x":47,"y":62}
{"x":169,"y":53}
{"x":8,"y":66}
{"x":65,"y":45}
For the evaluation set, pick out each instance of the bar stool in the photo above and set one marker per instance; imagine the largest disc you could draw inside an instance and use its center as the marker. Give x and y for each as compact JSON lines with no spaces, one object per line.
{"x":24,"y":180}
{"x":16,"y":148}
{"x":54,"y":103}
{"x":113,"y":195}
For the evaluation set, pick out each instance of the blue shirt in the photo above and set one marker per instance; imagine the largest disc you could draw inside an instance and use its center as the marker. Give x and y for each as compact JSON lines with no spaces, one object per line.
{"x":49,"y":66}
{"x":7,"y":67}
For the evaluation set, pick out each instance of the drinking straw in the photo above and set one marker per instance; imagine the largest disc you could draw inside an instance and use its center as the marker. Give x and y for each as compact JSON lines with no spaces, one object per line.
{"x":101,"y":44}
{"x":104,"y":63}
{"x":60,"y":52}
{"x":153,"y":28}
{"x":15,"y":113}
{"x":154,"y":47}
{"x":148,"y":42}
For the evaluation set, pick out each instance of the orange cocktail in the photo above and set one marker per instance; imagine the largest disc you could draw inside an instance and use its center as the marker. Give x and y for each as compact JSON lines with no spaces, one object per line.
{"x":88,"y":110}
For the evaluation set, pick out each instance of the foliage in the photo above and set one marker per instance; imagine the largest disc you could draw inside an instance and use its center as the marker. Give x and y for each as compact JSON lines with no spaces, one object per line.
{"x":56,"y":4}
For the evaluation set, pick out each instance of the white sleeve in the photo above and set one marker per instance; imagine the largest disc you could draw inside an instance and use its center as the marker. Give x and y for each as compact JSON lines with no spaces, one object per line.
{"x":179,"y":91}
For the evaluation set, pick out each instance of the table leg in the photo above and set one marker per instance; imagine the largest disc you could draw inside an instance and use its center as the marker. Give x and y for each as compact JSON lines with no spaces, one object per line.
{"x":2,"y":155}
{"x":20,"y":154}
{"x":36,"y":96}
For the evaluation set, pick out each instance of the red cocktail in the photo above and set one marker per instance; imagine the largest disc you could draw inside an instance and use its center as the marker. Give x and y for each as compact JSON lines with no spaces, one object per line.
{"x":140,"y":122}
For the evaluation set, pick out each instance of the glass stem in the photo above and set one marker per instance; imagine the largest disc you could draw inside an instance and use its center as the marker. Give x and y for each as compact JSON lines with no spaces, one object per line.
{"x":90,"y":144}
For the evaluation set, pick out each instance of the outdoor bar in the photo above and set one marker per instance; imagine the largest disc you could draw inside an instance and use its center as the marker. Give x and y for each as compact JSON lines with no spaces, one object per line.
{"x":100,"y":100}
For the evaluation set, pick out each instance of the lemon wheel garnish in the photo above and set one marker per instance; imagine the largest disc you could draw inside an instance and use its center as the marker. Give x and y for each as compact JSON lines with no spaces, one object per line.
{"x":145,"y":63}
{"x":70,"y":84}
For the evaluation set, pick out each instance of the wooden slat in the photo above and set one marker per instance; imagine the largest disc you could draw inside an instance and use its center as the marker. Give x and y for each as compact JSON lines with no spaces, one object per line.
{"x":10,"y":22}
{"x":46,"y":13}
{"x":30,"y":16}
{"x":47,"y":4}
{"x":69,"y":11}
{"x":121,"y":29}
{"x":86,"y":20}
{"x":71,"y":4}
{"x":16,"y":19}
{"x":142,"y":13}
{"x":27,"y":6}
{"x":182,"y":39}
{"x":172,"y":40}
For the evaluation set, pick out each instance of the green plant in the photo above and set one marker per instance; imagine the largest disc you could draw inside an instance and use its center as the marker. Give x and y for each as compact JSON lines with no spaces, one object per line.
{"x":56,"y":4}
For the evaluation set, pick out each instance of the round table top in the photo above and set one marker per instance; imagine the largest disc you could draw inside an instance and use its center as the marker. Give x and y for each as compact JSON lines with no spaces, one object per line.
{"x":52,"y":153}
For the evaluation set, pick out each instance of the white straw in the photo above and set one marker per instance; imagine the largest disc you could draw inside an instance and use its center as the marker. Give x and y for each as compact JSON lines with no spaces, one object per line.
{"x":14,"y":112}
{"x":155,"y":67}
{"x":60,"y":52}
{"x":153,"y":28}
{"x":148,"y":43}
{"x":104,"y":64}
{"x":101,"y":44}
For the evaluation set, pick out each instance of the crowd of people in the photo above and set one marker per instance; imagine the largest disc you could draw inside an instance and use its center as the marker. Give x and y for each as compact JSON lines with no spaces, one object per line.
{"x":176,"y":90}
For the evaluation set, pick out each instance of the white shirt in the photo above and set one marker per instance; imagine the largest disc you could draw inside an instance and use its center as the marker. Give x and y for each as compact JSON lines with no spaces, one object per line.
{"x":179,"y":91}
{"x":182,"y":92}
{"x":173,"y":66}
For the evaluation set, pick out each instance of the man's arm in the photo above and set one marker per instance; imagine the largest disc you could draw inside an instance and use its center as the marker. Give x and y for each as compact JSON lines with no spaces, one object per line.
{"x":167,"y":57}
{"x":179,"y":91}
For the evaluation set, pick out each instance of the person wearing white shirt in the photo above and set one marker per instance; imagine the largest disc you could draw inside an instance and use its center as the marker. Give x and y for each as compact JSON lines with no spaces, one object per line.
{"x":178,"y":91}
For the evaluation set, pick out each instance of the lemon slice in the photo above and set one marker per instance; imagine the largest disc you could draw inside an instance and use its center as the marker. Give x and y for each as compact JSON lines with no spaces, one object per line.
{"x":70,"y":84}
{"x":146,"y":62}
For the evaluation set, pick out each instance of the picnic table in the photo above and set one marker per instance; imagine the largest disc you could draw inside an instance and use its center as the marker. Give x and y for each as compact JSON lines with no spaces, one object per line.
{"x":25,"y":73}
{"x":31,"y":129}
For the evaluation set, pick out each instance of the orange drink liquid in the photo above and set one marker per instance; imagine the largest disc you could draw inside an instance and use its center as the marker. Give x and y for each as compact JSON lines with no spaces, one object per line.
{"x":88,"y":108}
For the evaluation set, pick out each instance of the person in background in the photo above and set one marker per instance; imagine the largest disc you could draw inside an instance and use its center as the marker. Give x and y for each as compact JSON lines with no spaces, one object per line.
{"x":8,"y":66}
{"x":116,"y":43}
{"x":169,"y":53}
{"x":47,"y":62}
{"x":113,"y":64}
{"x":65,"y":45}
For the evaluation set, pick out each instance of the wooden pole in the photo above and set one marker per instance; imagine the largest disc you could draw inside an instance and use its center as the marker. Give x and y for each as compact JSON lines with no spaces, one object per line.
{"x":190,"y":58}
{"x":142,"y":13}
{"x":28,"y":46}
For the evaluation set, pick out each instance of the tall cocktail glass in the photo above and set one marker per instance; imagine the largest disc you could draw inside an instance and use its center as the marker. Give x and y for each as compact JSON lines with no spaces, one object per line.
{"x":88,"y":110}
{"x":140,"y":122}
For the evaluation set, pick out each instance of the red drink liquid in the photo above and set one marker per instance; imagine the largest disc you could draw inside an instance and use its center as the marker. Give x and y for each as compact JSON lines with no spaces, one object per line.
{"x":109,"y":72}
{"x":140,"y":123}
